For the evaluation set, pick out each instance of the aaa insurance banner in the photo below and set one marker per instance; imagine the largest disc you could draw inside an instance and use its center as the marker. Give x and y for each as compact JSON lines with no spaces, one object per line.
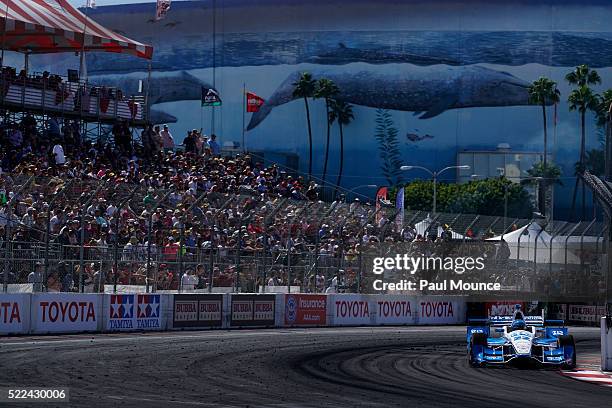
{"x":305,"y":310}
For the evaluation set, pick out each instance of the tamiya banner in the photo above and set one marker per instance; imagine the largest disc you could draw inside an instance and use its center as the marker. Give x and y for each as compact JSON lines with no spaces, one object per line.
{"x":121,"y":312}
{"x":305,"y":310}
{"x":201,"y":310}
{"x":65,"y":312}
{"x":252,"y":310}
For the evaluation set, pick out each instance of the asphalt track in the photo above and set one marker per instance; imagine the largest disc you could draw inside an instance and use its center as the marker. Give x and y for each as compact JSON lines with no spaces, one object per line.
{"x":331,"y":367}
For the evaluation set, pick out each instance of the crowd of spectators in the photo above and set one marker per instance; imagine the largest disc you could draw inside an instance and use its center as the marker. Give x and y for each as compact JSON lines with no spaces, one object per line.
{"x":155,"y":213}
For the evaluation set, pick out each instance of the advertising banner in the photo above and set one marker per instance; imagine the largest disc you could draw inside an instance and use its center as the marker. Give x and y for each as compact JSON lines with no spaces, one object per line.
{"x":441,"y":310}
{"x":65,"y":312}
{"x":202,"y":310}
{"x":586,"y":313}
{"x":252,"y":310}
{"x":503,"y":307}
{"x":305,"y":310}
{"x":148,"y":312}
{"x":395,"y":309}
{"x":351,"y":309}
{"x":14,"y":313}
{"x":125,"y":312}
{"x":557,"y":311}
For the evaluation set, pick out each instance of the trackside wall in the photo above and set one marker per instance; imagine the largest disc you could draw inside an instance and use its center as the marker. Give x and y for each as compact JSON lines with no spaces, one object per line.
{"x":42,"y":313}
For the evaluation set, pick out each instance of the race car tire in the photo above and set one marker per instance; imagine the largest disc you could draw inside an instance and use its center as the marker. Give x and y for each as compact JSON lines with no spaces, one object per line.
{"x":478,"y":341}
{"x":568,"y":341}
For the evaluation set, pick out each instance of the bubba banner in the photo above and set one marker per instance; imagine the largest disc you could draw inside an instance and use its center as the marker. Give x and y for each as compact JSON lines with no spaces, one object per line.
{"x":198,"y":310}
{"x":14,"y":313}
{"x":305,"y":310}
{"x":65,"y":312}
{"x":252,"y":310}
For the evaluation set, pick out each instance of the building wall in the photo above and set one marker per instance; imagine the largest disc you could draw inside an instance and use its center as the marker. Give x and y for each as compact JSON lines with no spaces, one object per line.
{"x":443,"y":70}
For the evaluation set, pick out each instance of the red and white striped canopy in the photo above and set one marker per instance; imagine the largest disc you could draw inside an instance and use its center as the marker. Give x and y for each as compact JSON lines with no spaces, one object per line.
{"x":49,"y":26}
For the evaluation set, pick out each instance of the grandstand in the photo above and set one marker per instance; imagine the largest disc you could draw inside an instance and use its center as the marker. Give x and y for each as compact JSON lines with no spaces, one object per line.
{"x":184,"y":222}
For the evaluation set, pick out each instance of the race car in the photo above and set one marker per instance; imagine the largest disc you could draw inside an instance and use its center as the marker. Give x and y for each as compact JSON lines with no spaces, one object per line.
{"x":519,"y":338}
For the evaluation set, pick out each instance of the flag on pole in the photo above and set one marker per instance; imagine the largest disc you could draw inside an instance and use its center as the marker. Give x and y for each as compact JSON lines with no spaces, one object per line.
{"x":162,"y":9}
{"x":210,"y":97}
{"x":399,"y":204}
{"x":253,"y":102}
{"x":90,"y":4}
{"x":381,"y":195}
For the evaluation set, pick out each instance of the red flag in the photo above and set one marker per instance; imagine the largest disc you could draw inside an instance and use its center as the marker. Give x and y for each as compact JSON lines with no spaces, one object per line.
{"x":381,"y":195}
{"x":254,"y":102}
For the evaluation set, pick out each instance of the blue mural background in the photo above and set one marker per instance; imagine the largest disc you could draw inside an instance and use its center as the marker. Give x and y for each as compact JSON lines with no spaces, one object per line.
{"x":262,"y":42}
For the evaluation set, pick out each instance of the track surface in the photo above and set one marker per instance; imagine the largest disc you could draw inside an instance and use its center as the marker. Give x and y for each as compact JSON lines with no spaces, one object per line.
{"x":335,"y":367}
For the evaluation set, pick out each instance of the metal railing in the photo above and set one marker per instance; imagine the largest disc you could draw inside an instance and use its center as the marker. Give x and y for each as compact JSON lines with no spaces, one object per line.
{"x":245,"y":243}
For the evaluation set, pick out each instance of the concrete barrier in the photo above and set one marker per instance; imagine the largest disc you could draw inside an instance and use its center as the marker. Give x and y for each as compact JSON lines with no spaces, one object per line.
{"x":606,"y":343}
{"x":41,"y":313}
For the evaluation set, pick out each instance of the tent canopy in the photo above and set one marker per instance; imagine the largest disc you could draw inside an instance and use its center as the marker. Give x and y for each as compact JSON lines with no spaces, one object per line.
{"x":50,"y":26}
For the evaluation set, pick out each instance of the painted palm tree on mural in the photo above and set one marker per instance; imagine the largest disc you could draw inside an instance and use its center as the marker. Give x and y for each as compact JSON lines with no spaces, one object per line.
{"x":305,"y":88}
{"x":541,"y":92}
{"x":326,"y":89}
{"x":343,"y":113}
{"x":604,"y":121}
{"x":582,"y":99}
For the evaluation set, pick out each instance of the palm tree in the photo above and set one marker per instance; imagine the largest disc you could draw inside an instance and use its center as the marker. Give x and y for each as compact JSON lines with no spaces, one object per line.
{"x":583,"y":75}
{"x":305,"y":88}
{"x":582,"y":99}
{"x":541,"y":92}
{"x":604,"y":121}
{"x":343,"y":113}
{"x":326,"y":89}
{"x":542,"y":176}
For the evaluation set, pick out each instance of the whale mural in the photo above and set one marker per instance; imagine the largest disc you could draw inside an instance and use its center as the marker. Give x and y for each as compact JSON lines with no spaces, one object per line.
{"x":456,"y":69}
{"x":428,"y":91}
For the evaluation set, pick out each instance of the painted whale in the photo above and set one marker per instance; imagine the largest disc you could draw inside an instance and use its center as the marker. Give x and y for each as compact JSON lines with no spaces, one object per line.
{"x":377,"y":32}
{"x":157,"y":117}
{"x":428,"y":91}
{"x":165,"y":87}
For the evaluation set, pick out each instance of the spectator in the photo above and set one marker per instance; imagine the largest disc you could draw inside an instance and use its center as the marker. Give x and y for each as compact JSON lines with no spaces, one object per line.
{"x":214,"y":146}
{"x":167,"y":139}
{"x":36,"y":277}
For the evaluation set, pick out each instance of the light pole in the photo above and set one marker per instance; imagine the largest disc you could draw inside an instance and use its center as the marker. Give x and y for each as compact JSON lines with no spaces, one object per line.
{"x":434,"y":176}
{"x":357,"y":188}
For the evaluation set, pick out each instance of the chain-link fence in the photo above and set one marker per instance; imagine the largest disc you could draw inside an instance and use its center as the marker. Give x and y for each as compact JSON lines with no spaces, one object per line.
{"x":92,"y":236}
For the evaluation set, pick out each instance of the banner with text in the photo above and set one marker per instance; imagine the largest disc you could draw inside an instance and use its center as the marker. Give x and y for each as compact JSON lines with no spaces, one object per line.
{"x":14,"y":313}
{"x":201,"y":310}
{"x":305,"y":310}
{"x":65,"y":312}
{"x":252,"y":310}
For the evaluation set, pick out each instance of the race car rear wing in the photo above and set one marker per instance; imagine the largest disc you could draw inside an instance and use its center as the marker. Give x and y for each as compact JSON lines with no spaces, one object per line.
{"x":531,"y":321}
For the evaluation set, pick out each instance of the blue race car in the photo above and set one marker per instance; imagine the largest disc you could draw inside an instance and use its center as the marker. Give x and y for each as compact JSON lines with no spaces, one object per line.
{"x":501,"y":339}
